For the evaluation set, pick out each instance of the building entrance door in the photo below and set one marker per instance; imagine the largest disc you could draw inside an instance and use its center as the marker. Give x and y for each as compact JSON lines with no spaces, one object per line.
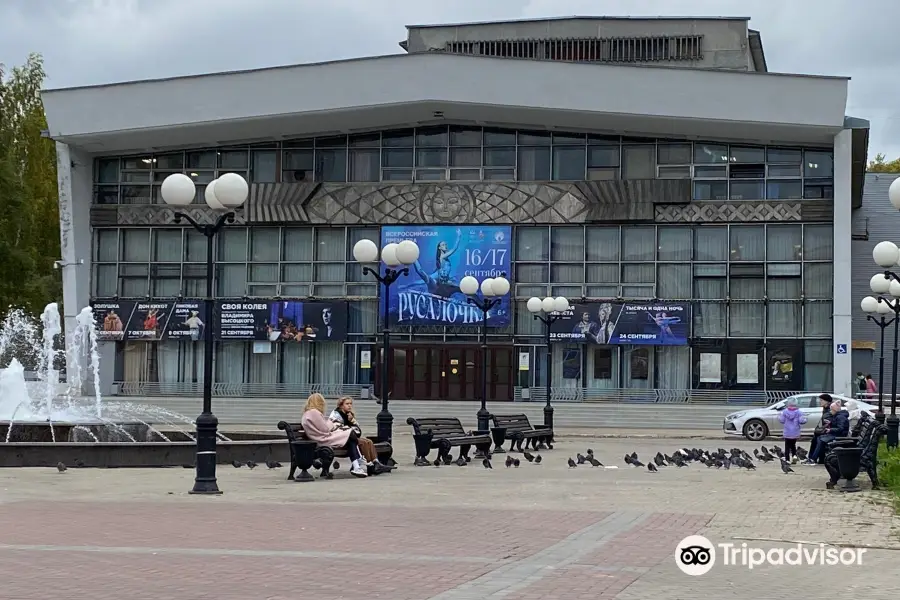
{"x":450,"y":372}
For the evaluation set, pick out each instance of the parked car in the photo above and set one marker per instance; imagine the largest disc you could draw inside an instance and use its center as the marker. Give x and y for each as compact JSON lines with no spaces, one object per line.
{"x":756,"y":424}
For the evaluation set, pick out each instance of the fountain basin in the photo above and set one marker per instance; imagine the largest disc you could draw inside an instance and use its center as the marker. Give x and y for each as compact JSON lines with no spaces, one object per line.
{"x":135,"y":454}
{"x":82,"y":431}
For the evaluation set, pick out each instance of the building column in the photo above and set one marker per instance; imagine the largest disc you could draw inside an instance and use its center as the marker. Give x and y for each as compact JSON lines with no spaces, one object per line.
{"x":74,"y":173}
{"x":843,"y":302}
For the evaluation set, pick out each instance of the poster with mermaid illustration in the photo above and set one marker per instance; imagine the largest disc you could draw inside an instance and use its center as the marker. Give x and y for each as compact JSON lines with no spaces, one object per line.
{"x":430,"y":294}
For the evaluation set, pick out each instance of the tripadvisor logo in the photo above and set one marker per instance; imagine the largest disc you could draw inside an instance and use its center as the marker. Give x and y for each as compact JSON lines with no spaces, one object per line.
{"x":696,"y":555}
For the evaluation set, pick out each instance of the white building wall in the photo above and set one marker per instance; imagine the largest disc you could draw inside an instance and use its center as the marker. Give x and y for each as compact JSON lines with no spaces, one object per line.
{"x":842,"y":318}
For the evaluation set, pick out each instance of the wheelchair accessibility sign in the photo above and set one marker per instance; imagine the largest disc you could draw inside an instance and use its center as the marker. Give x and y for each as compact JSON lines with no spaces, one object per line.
{"x":842,"y":348}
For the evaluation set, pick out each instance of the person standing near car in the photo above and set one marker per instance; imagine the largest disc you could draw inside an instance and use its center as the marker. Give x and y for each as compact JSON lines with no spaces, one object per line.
{"x":871,"y":388}
{"x":861,"y":385}
{"x":792,"y":418}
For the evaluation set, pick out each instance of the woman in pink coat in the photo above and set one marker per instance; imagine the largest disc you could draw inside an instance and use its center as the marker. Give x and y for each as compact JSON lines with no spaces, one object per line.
{"x":326,"y":432}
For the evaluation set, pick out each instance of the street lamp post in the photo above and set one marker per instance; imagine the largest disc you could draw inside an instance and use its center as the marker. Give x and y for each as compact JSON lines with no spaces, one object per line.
{"x":397,"y":258}
{"x":492,"y":292}
{"x":223,"y":195}
{"x":548,"y":310}
{"x":874,"y":305}
{"x":886,"y":255}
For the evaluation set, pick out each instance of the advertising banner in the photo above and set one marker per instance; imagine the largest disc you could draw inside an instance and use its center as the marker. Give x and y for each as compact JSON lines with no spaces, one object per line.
{"x":110,"y":317}
{"x":647,"y":324}
{"x":149,"y":320}
{"x":282,"y":320}
{"x":430,"y":294}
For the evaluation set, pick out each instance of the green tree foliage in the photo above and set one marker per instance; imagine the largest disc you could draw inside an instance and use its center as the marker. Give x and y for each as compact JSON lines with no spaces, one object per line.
{"x":879,"y":165}
{"x":29,"y":222}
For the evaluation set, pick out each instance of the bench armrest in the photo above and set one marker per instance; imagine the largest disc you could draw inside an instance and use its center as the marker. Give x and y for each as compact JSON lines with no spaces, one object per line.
{"x":541,"y":426}
{"x":479,"y":432}
{"x":843,"y":442}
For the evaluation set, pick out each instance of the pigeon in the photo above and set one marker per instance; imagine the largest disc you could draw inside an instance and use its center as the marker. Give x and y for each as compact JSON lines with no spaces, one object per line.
{"x":727,"y":463}
{"x":251,"y":465}
{"x":572,"y":464}
{"x":509,"y":461}
{"x":335,"y":465}
{"x":538,"y":459}
{"x":528,"y":455}
{"x":659,"y":460}
{"x":516,"y":463}
{"x":652,"y":468}
{"x":61,"y":467}
{"x":581,"y":459}
{"x":778,"y":451}
{"x":272,"y":464}
{"x":628,"y":460}
{"x":487,"y":464}
{"x":589,"y":452}
{"x":237,"y":464}
{"x":437,"y":462}
{"x":668,"y":458}
{"x":594,"y":462}
{"x":801,"y":454}
{"x":634,"y":456}
{"x":79,"y":463}
{"x":785,"y":467}
{"x":636,"y":462}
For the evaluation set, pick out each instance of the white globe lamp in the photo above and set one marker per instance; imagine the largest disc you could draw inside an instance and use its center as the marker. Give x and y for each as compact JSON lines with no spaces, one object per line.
{"x":231,"y":190}
{"x":894,"y":193}
{"x":365,"y":251}
{"x":209,"y":195}
{"x":389,"y":255}
{"x":895,"y":288}
{"x":885,"y":254}
{"x":407,"y":252}
{"x":548,"y":305}
{"x":487,"y":287}
{"x":869,"y":304}
{"x":883,"y":308}
{"x":880,"y":284}
{"x":533,"y":305}
{"x":561,"y":304}
{"x":178,"y":190}
{"x":500,"y":286}
{"x":468,"y":285}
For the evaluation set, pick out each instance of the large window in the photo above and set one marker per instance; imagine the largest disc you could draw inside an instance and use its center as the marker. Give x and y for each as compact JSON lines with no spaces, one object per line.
{"x":462,"y":153}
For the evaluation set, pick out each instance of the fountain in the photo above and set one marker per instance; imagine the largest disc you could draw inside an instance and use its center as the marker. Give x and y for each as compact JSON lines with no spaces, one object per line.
{"x":44,"y":420}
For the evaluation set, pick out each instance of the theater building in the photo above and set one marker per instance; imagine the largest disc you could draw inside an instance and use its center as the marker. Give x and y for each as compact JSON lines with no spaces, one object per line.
{"x":693,"y":208}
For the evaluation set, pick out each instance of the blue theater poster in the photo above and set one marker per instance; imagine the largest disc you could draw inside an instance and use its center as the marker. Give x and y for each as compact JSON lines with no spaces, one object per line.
{"x":430,"y":294}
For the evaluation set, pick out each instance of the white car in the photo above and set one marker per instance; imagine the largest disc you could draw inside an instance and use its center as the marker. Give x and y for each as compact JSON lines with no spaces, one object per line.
{"x":756,"y":424}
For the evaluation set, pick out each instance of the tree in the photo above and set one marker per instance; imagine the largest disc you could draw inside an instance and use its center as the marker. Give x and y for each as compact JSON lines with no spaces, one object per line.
{"x":29,"y":221}
{"x":879,"y":165}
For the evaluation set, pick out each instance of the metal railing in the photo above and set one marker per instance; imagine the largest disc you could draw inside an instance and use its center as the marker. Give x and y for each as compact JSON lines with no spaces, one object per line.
{"x":534,"y":394}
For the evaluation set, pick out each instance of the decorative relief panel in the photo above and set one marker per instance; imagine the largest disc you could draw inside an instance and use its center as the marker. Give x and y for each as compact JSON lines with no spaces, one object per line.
{"x":724,"y":212}
{"x":161,"y":214}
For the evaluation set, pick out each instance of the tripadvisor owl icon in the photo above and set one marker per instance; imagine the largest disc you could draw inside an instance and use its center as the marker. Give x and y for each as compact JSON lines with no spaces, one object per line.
{"x":695,"y":555}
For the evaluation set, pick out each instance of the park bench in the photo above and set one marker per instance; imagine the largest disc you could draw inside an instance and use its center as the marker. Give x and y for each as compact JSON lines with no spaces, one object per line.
{"x":867,"y":441}
{"x":307,"y":454}
{"x":519,"y":429}
{"x":444,"y":433}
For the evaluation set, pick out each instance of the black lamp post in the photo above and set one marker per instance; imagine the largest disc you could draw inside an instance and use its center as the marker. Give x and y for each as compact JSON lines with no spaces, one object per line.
{"x":396,"y":258}
{"x":889,"y":282}
{"x":492,"y":292}
{"x":882,"y":307}
{"x":226,"y":193}
{"x":548,"y":311}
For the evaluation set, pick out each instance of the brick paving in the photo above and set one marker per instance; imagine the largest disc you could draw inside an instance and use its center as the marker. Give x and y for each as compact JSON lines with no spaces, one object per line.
{"x":450,"y":533}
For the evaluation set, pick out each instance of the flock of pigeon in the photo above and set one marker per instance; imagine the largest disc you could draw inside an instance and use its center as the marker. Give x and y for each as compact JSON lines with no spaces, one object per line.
{"x":720,"y":459}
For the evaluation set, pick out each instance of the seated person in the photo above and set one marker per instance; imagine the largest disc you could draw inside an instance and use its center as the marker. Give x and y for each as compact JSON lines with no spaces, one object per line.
{"x":825,"y":402}
{"x":839,"y":426}
{"x":328,"y":433}
{"x":868,"y":433}
{"x":343,"y":414}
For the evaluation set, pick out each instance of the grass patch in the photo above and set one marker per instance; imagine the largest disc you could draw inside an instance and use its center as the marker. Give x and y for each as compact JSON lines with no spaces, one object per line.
{"x":889,"y":472}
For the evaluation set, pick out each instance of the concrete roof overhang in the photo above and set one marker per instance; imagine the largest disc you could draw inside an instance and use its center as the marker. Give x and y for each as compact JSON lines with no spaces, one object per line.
{"x":404,"y":90}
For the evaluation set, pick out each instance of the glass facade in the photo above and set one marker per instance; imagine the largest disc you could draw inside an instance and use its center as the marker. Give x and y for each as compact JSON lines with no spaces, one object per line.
{"x":450,"y":153}
{"x":760,"y":290}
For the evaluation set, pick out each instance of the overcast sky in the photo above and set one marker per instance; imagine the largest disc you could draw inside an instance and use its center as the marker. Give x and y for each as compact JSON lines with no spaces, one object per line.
{"x":100,"y":41}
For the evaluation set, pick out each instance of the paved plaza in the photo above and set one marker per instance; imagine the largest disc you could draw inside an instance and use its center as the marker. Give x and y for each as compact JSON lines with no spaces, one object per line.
{"x":447,"y":533}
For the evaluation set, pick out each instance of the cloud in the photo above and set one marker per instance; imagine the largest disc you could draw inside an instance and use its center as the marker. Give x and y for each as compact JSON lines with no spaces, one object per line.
{"x":98,"y":41}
